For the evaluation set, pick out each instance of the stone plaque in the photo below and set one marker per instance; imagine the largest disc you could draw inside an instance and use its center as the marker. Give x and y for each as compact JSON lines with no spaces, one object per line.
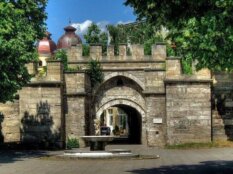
{"x":157,"y":120}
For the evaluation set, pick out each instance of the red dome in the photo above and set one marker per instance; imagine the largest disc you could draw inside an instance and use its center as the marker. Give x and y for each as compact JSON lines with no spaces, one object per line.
{"x":69,"y":38}
{"x":46,"y":45}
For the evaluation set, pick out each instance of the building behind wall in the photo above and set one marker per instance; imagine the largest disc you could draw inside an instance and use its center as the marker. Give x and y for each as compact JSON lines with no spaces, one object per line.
{"x":163,"y":105}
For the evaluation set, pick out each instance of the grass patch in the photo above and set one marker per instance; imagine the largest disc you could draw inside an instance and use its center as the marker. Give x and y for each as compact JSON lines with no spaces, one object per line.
{"x":215,"y":144}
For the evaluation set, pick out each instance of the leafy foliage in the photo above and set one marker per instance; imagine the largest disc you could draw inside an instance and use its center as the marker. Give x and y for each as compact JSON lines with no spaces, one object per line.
{"x":95,"y":72}
{"x":187,"y":66}
{"x":202,"y":30}
{"x":136,"y":33}
{"x":72,"y":143}
{"x":62,"y":56}
{"x":115,"y":37}
{"x":95,"y":36}
{"x":21,"y":24}
{"x":86,"y":50}
{"x":42,"y":72}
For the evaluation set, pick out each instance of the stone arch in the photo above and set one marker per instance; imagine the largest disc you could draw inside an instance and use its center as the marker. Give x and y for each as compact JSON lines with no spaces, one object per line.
{"x":124,"y":74}
{"x":136,"y":117}
{"x":121,"y":102}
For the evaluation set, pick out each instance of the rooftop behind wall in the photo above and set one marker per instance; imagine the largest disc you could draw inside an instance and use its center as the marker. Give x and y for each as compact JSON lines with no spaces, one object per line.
{"x":75,"y":53}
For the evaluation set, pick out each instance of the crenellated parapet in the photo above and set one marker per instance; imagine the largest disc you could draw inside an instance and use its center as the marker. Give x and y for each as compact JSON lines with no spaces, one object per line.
{"x":50,"y":74}
{"x":174,"y":71}
{"x":75,"y":53}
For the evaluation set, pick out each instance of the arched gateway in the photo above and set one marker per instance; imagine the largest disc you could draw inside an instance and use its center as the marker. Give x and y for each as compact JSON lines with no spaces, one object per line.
{"x":145,"y":98}
{"x":120,"y":105}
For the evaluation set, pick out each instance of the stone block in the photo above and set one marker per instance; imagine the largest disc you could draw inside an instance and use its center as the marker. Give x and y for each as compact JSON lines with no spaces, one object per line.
{"x":96,"y":52}
{"x":173,"y":68}
{"x":31,"y":68}
{"x":155,"y":137}
{"x":159,"y":52}
{"x":203,"y":74}
{"x":54,"y":70}
{"x":110,"y":52}
{"x":12,"y":137}
{"x":122,"y":52}
{"x":137,"y":52}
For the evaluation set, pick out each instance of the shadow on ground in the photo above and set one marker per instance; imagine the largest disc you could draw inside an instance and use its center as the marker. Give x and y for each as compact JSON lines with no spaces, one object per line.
{"x":205,"y":167}
{"x":10,"y":156}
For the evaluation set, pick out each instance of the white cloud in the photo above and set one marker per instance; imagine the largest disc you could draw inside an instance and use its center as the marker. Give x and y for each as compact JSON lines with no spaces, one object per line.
{"x":124,"y":22}
{"x":82,"y":27}
{"x":102,"y":25}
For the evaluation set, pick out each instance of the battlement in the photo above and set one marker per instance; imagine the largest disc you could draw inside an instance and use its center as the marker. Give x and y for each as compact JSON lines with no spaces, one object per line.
{"x":52,"y":75}
{"x":75,"y":53}
{"x":137,"y":61}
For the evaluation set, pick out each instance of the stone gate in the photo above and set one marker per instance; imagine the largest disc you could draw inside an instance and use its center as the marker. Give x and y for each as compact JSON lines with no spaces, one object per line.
{"x":166,"y":106}
{"x":153,"y":85}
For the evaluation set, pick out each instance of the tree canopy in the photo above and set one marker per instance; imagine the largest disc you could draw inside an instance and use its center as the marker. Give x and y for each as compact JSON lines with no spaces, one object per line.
{"x":95,"y":36}
{"x":140,"y":32}
{"x":21,"y":24}
{"x":201,"y":30}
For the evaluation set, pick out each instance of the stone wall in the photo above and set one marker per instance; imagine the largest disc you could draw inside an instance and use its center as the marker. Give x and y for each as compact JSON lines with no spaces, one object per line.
{"x":188,"y":104}
{"x":158,"y":53}
{"x":41,"y":115}
{"x":78,"y":115}
{"x":172,"y":108}
{"x":76,"y":123}
{"x":156,"y":120}
{"x":41,"y":107}
{"x":188,"y":110}
{"x":111,"y":90}
{"x":10,"y":122}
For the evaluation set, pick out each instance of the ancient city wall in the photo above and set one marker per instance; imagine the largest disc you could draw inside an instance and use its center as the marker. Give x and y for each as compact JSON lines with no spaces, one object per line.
{"x":173,"y":108}
{"x":10,"y":122}
{"x":177,"y":107}
{"x":41,"y":108}
{"x":188,"y":106}
{"x":77,"y":104}
{"x":37,"y":117}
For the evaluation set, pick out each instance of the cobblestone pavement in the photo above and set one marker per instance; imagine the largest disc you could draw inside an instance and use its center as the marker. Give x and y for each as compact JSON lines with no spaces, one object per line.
{"x":202,"y":161}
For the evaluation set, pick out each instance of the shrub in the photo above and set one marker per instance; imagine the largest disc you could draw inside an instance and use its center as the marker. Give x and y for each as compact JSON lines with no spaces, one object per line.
{"x":62,"y":56}
{"x":72,"y":143}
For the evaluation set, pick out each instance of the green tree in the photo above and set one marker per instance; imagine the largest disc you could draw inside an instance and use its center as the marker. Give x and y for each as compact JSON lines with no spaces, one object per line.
{"x":95,"y":36}
{"x":139,"y":32}
{"x":104,"y":41}
{"x":21,"y":24}
{"x":115,"y":38}
{"x":92,"y":35}
{"x":202,"y":30}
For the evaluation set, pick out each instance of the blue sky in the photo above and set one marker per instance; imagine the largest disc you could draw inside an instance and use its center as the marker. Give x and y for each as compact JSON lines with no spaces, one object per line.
{"x":83,"y":12}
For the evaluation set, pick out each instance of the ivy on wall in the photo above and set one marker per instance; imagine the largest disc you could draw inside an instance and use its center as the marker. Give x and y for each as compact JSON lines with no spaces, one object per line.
{"x":62,"y":56}
{"x":94,"y":70}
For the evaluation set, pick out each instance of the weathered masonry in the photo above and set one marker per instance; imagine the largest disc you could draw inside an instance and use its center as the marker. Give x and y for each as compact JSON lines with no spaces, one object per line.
{"x":164,"y":106}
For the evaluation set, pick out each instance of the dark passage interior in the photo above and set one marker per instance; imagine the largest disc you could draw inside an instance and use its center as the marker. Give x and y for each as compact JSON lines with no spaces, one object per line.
{"x":134,"y":126}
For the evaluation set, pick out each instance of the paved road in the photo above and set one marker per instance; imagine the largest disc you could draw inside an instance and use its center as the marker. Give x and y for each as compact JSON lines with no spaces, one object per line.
{"x":204,"y":161}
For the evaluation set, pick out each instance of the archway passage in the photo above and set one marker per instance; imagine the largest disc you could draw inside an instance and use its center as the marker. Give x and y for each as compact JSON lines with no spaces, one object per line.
{"x":125,"y":122}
